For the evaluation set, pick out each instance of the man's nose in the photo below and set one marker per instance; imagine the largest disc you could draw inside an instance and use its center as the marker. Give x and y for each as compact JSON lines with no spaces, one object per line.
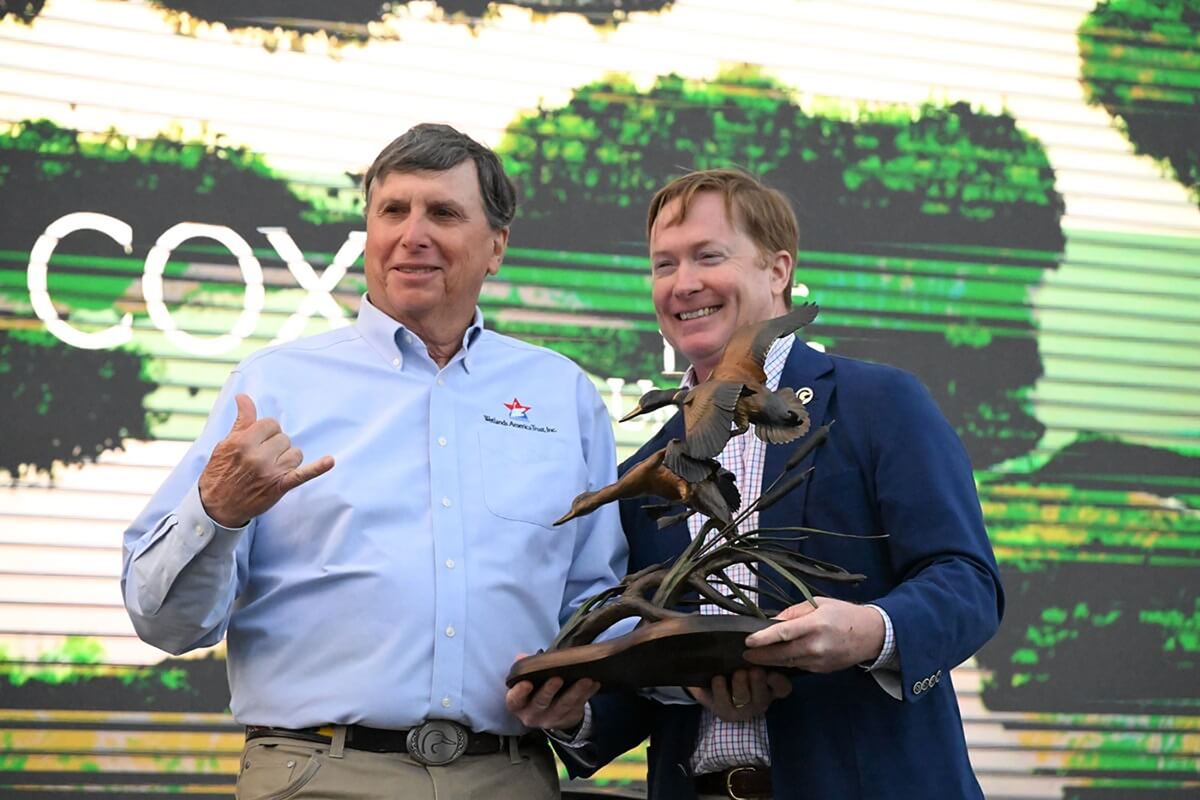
{"x":414,"y":235}
{"x":688,"y":278}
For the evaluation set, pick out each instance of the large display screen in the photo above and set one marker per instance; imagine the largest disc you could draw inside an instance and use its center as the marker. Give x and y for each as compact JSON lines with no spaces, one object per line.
{"x":1001,"y":197}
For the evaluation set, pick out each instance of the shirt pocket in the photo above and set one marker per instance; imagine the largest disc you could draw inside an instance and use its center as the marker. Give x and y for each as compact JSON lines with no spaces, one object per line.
{"x":529,"y":477}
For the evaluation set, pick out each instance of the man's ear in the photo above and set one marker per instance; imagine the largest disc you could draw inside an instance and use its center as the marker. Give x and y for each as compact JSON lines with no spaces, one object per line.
{"x":499,"y":245}
{"x":782,"y":264}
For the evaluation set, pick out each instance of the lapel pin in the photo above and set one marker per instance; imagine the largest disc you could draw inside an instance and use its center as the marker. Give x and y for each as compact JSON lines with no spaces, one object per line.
{"x":804,"y":394}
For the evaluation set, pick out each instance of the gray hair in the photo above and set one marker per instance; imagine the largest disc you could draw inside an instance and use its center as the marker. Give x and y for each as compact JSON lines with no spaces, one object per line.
{"x":437,"y":148}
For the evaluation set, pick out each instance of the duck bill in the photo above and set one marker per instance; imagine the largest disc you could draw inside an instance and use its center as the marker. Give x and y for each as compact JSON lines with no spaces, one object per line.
{"x":636,"y":411}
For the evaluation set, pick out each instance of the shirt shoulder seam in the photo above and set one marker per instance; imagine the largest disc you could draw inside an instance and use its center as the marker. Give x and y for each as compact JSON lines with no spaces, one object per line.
{"x":321,"y":341}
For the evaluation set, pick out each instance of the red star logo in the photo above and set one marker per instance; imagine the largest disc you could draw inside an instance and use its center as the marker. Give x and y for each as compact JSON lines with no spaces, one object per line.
{"x":515,"y":409}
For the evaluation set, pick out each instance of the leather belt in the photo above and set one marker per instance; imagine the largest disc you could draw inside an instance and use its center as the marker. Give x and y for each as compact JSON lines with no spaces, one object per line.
{"x":737,"y":783}
{"x":433,"y":743}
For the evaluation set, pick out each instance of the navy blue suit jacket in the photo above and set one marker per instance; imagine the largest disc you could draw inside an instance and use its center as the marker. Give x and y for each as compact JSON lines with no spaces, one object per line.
{"x":892,"y":464}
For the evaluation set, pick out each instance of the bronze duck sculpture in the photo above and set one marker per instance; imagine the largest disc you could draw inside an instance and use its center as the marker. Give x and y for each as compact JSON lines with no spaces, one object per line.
{"x":735,"y":396}
{"x":711,"y":489}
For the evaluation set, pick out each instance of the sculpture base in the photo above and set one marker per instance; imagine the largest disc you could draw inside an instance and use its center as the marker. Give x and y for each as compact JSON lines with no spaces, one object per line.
{"x":682,"y":651}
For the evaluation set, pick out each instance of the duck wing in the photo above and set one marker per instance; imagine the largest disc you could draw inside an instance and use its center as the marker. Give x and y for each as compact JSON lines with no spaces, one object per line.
{"x":746,"y":352}
{"x":716,"y":497}
{"x":707,"y":415}
{"x":727,"y":486}
{"x":779,"y":417}
{"x":692,"y":470}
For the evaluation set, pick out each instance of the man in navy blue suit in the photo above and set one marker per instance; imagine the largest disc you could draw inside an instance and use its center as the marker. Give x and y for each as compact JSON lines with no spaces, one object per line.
{"x":874,"y":714}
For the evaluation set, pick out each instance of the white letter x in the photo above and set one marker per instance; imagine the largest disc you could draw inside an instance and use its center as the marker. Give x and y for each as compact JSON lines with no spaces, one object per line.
{"x":319,"y":297}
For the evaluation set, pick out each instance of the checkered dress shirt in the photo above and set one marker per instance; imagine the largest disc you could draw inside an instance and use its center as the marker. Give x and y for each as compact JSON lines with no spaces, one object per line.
{"x":721,"y":744}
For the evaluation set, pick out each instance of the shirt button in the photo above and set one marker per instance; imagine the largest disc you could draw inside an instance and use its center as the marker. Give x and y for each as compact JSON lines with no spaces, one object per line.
{"x":441,"y":382}
{"x":395,"y":362}
{"x":449,"y":631}
{"x":446,"y":502}
{"x":442,"y":441}
{"x":449,"y":563}
{"x":200,"y":529}
{"x":445,"y":702}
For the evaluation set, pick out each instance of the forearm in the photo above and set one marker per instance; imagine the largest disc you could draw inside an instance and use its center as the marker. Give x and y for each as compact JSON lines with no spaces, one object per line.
{"x":179,"y":576}
{"x":944,"y":613}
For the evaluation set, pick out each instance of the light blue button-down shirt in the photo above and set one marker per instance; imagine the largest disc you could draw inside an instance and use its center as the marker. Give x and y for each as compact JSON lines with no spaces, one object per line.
{"x":399,"y":586}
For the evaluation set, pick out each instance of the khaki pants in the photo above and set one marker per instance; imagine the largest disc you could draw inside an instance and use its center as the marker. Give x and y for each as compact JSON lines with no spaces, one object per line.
{"x":275,"y":768}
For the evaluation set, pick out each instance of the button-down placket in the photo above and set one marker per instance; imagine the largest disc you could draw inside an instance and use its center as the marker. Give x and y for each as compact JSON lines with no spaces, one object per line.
{"x":450,"y":584}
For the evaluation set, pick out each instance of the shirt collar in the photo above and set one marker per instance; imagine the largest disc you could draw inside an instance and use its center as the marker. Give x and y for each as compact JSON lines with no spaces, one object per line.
{"x":387,"y":336}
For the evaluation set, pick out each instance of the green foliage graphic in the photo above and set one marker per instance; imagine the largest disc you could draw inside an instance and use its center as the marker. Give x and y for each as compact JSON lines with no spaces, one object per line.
{"x":64,"y":404}
{"x":21,"y":10}
{"x":1099,"y":550}
{"x":62,"y":677}
{"x":911,"y":220}
{"x":1141,"y":63}
{"x":349,"y":20}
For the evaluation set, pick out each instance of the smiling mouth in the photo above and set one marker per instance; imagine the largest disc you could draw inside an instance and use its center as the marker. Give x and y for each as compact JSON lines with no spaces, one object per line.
{"x":684,"y":316}
{"x":415,"y":270}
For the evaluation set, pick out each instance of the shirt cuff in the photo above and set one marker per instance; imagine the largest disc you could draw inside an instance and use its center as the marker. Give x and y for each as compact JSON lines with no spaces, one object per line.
{"x":202,"y":532}
{"x":581,"y":737}
{"x":887,"y":654}
{"x":886,"y":668}
{"x":668,"y":695}
{"x":185,"y":535}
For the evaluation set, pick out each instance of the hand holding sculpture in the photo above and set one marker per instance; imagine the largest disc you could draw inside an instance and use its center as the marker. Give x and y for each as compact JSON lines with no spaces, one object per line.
{"x":744,"y":695}
{"x":822,"y":636}
{"x":553,"y":705}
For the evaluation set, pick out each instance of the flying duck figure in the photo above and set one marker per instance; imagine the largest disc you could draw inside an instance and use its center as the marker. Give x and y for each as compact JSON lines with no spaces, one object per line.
{"x":711,"y":492}
{"x":735,"y":396}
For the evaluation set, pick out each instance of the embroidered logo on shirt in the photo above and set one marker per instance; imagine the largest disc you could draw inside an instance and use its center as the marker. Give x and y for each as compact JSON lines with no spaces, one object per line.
{"x":518,"y":417}
{"x":516,"y":410}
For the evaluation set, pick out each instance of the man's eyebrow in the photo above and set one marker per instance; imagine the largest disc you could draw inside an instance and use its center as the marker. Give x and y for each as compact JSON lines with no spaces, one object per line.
{"x":447,"y":202}
{"x":437,"y":202}
{"x":691,"y":246}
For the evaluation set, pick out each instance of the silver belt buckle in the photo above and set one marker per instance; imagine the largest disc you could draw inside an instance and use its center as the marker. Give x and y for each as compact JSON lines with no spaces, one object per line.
{"x":437,"y":742}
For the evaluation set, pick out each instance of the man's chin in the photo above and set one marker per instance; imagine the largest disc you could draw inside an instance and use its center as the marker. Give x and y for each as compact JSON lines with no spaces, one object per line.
{"x":700,"y":349}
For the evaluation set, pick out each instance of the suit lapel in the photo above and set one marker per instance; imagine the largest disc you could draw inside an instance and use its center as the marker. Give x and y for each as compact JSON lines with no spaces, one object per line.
{"x":805,"y":368}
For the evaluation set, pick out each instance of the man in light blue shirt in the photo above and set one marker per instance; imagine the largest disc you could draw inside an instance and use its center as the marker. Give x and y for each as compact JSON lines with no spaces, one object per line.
{"x":374,"y":598}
